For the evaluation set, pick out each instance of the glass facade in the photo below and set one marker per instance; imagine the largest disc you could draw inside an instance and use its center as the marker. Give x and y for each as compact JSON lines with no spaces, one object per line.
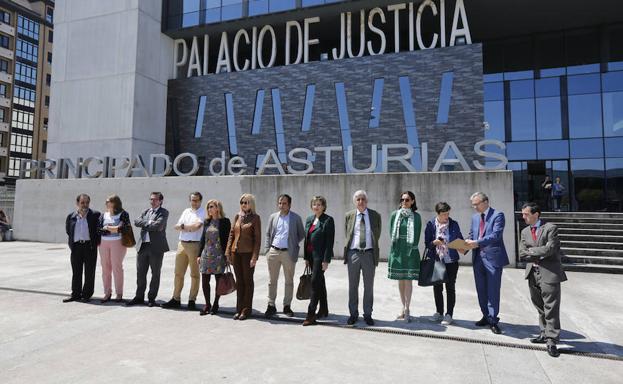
{"x":563,"y":118}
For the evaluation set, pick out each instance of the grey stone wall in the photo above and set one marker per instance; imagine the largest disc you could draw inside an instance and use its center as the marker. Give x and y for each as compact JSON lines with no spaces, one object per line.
{"x":423,"y":68}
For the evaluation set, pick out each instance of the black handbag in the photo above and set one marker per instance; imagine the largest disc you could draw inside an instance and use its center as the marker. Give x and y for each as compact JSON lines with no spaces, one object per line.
{"x":304,"y":290}
{"x":432,"y":270}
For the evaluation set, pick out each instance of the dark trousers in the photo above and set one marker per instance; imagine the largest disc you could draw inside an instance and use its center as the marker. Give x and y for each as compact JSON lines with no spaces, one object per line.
{"x":546,"y":299}
{"x":319,"y":289}
{"x":452,"y":269}
{"x":83,"y":257}
{"x":557,"y":200}
{"x":244,"y":283}
{"x":205,"y":285}
{"x":146,"y":259}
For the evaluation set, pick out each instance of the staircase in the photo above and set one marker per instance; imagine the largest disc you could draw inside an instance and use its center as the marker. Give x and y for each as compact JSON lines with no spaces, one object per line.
{"x":591,"y":241}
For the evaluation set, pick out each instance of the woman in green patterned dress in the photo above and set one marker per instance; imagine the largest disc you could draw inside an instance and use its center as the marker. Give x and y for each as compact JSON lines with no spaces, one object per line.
{"x":404,"y":256}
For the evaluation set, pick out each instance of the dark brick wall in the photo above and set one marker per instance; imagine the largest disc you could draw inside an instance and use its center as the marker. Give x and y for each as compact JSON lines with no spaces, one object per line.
{"x":424,"y":69}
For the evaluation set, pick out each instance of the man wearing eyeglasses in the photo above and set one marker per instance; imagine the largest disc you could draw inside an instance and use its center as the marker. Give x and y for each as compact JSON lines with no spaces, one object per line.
{"x":488,"y":258}
{"x":361,"y":254}
{"x":151,"y":245}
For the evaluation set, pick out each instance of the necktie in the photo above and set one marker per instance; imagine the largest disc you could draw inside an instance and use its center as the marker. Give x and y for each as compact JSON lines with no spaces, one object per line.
{"x":533,"y":230}
{"x":362,"y":232}
{"x":481,"y":229}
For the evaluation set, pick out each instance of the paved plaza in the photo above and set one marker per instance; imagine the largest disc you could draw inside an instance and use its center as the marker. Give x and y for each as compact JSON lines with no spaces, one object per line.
{"x":43,"y":340}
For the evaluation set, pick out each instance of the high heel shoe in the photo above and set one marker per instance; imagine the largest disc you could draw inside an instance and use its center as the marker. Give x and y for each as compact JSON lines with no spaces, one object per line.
{"x":118,"y":299}
{"x":214,"y":310}
{"x":401,"y":316}
{"x":106,"y":299}
{"x":205,"y":310}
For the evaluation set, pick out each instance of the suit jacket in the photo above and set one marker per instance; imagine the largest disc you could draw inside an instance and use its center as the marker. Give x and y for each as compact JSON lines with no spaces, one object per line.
{"x":491,"y":247}
{"x":93,"y":218}
{"x":454,"y":233}
{"x":296,"y":233}
{"x":375,"y":227}
{"x":545,"y":251}
{"x":321,"y":238}
{"x":157,"y":229}
{"x":223,"y":233}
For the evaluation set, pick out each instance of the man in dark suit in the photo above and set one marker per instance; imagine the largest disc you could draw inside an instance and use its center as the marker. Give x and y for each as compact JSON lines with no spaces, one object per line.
{"x":152,"y":245}
{"x":83,"y":239}
{"x":361,"y":254}
{"x":539,"y":247}
{"x":488,"y":258}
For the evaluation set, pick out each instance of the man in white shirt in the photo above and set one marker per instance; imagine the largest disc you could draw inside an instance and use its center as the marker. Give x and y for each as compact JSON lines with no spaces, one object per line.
{"x":190,"y":226}
{"x":285,"y":232}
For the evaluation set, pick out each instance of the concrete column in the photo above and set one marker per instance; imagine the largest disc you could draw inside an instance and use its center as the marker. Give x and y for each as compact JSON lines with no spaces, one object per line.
{"x":110,"y":69}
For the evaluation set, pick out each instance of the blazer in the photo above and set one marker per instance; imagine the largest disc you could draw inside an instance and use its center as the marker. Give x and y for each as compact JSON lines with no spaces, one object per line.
{"x":124,"y":221}
{"x":296,"y":233}
{"x":157,"y":229}
{"x":245,"y":236}
{"x":491,"y":247}
{"x":454,"y":233}
{"x":375,"y":227}
{"x":93,"y":218}
{"x":223,"y":233}
{"x":321,"y":238}
{"x":545,"y":251}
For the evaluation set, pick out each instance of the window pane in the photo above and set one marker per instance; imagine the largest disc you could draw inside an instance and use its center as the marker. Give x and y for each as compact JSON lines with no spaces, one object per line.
{"x":494,"y":116}
{"x":614,"y":147}
{"x":494,"y":91}
{"x":547,"y":87}
{"x":548,"y":118}
{"x":553,"y":149}
{"x":522,"y":119}
{"x":521,"y":150}
{"x":521,"y":89}
{"x":282,"y":5}
{"x":587,"y":148}
{"x":613,"y":113}
{"x":612,"y":81}
{"x":581,"y":84}
{"x":258,"y":7}
{"x":585,"y":116}
{"x":614,"y":185}
{"x":588,"y":180}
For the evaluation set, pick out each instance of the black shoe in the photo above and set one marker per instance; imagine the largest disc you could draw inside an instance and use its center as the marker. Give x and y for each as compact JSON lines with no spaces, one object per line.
{"x":191,"y":305}
{"x":205,"y":310}
{"x":271,"y":311}
{"x":288,"y":311}
{"x":106,"y":299}
{"x":351,"y":320}
{"x":552,"y":350}
{"x":482,"y":322}
{"x":171,"y":304}
{"x":70,"y":299}
{"x":236,"y":316}
{"x":135,"y":301}
{"x":151,"y":303}
{"x":539,"y":340}
{"x":368,"y":320}
{"x":495,"y":329}
{"x":214,"y":309}
{"x":85,"y":300}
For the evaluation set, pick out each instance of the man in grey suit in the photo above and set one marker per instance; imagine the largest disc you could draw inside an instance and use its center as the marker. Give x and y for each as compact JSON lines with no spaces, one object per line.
{"x":285,"y":232}
{"x":361,"y":254}
{"x":540,"y":249}
{"x":152,"y":245}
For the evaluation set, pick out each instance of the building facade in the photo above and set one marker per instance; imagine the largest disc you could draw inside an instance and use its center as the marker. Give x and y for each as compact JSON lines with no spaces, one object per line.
{"x":26,"y":39}
{"x":329,"y":86}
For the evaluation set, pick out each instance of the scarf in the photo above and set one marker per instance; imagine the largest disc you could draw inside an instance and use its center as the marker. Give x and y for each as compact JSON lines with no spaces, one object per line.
{"x":404,"y":214}
{"x":442,"y":229}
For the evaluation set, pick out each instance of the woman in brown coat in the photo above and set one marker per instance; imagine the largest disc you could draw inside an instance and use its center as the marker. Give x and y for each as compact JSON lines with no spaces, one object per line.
{"x":243,"y":249}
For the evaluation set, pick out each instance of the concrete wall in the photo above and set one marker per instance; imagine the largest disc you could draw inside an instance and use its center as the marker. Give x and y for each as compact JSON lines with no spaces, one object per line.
{"x":109,"y":78}
{"x":42,"y":205}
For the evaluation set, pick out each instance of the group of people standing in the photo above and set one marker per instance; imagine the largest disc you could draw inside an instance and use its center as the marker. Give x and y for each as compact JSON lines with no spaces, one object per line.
{"x":209,"y":242}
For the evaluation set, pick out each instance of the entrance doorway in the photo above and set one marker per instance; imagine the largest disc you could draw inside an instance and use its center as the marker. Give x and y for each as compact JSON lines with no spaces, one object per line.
{"x":528,"y":178}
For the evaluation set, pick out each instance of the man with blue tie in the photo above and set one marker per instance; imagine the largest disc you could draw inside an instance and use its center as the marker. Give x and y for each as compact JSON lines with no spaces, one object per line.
{"x":488,"y":258}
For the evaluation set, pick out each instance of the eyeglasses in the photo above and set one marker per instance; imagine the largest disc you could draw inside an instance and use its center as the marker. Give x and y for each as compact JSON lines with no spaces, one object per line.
{"x":244,"y":202}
